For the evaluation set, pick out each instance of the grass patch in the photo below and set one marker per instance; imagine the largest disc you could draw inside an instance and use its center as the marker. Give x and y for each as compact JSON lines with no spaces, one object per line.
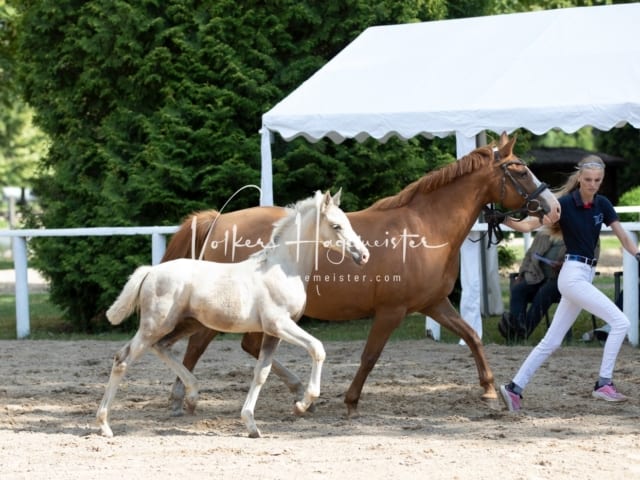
{"x":6,"y":264}
{"x":608,"y":241}
{"x":412,"y":328}
{"x":47,"y":322}
{"x":45,"y":318}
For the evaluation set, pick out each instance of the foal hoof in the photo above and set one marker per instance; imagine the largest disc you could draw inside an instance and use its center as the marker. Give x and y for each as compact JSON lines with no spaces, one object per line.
{"x":311,"y":408}
{"x":299,"y":408}
{"x":175,"y":407}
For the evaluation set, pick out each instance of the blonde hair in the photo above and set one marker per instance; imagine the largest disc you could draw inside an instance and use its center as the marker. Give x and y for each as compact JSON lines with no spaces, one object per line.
{"x":573,"y":183}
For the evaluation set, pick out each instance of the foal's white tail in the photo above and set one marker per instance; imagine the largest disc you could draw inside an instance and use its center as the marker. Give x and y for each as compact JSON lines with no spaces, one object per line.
{"x":127,"y":301}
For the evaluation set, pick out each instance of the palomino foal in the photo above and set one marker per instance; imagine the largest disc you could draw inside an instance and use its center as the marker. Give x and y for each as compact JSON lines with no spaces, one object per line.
{"x":265,"y":293}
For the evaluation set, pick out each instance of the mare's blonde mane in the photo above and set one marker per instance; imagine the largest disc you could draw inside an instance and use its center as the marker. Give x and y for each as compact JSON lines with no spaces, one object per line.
{"x":436,"y":179}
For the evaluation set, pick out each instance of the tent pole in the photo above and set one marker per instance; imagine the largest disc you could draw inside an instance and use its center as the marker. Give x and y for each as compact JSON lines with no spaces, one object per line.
{"x":266,"y":172}
{"x":481,"y":140}
{"x":469,"y":267}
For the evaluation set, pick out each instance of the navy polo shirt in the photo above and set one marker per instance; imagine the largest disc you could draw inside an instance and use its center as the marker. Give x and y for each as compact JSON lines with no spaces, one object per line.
{"x":581,"y":224}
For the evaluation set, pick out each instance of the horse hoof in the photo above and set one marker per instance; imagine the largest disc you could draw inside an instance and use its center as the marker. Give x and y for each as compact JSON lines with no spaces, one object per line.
{"x":299,"y":408}
{"x":105,"y":431}
{"x":352,"y":413}
{"x":489,"y":396}
{"x":311,"y":408}
{"x":493,"y":404}
{"x":254,"y":433}
{"x":190,"y":408}
{"x":175,"y":407}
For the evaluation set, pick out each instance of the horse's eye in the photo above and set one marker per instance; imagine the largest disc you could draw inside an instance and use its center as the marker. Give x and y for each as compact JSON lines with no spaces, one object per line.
{"x":336,"y":227}
{"x":522,"y":174}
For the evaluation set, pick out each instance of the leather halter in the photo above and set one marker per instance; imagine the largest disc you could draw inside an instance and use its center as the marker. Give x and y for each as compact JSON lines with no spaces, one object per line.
{"x":532,"y":205}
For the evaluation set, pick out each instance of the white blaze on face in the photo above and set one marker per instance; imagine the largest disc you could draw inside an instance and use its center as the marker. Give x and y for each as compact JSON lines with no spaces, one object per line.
{"x":550,"y":203}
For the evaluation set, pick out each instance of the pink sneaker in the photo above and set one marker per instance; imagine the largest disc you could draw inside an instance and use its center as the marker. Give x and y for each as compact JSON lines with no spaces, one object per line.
{"x":608,"y":393}
{"x":512,"y":400}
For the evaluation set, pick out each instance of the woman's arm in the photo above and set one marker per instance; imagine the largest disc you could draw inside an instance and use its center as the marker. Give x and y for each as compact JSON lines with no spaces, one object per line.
{"x":525,"y":225}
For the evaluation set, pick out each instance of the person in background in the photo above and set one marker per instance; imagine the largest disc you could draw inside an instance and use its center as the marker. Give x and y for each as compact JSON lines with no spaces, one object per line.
{"x":537,"y":284}
{"x":584,"y":212}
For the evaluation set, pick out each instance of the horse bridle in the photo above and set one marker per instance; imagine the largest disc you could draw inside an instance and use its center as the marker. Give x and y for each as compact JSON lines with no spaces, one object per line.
{"x":532,"y":205}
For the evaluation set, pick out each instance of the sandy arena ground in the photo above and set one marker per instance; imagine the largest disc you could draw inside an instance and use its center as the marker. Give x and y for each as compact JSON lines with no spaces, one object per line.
{"x":420,"y":417}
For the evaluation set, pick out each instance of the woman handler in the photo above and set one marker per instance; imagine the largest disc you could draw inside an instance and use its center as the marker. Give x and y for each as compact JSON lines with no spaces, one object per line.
{"x":583,"y":213}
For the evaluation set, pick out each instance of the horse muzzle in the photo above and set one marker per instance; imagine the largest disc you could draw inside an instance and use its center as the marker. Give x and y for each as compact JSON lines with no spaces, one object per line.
{"x":359,"y":255}
{"x":547,"y":206}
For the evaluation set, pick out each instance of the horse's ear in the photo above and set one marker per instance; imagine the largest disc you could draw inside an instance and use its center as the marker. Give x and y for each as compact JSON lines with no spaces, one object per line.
{"x":326,"y":201}
{"x":506,"y":145}
{"x":336,"y":197}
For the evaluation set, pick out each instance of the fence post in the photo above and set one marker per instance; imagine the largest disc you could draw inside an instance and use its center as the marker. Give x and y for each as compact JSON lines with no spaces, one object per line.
{"x":630,"y":289}
{"x":158,"y":246}
{"x":22,"y":287}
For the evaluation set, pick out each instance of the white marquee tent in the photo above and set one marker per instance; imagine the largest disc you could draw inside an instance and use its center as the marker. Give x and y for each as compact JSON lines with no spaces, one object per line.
{"x":565,"y":69}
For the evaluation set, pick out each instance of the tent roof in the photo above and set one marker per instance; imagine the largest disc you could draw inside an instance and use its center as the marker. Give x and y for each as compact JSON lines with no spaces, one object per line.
{"x":565,"y":68}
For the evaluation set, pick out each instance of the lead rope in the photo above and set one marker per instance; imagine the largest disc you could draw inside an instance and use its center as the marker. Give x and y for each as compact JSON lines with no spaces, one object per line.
{"x":494,"y":218}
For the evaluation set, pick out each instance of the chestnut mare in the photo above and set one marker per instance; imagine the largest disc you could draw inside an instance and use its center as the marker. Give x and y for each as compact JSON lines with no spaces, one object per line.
{"x":414,"y":238}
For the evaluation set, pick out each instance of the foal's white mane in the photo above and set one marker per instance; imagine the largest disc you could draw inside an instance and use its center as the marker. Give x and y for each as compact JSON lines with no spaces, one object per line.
{"x":280,"y":227}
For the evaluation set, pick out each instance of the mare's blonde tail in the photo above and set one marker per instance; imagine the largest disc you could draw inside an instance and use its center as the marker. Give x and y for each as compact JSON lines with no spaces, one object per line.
{"x":127,"y":301}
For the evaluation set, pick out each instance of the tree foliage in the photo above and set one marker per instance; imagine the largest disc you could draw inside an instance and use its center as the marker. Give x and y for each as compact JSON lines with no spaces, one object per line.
{"x":8,"y":16}
{"x":632,"y":198}
{"x":21,"y":144}
{"x":153,"y":109}
{"x":625,"y":143}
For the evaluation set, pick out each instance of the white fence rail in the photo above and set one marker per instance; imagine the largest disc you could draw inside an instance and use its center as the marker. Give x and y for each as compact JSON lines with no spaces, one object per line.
{"x":158,"y":244}
{"x":19,"y":241}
